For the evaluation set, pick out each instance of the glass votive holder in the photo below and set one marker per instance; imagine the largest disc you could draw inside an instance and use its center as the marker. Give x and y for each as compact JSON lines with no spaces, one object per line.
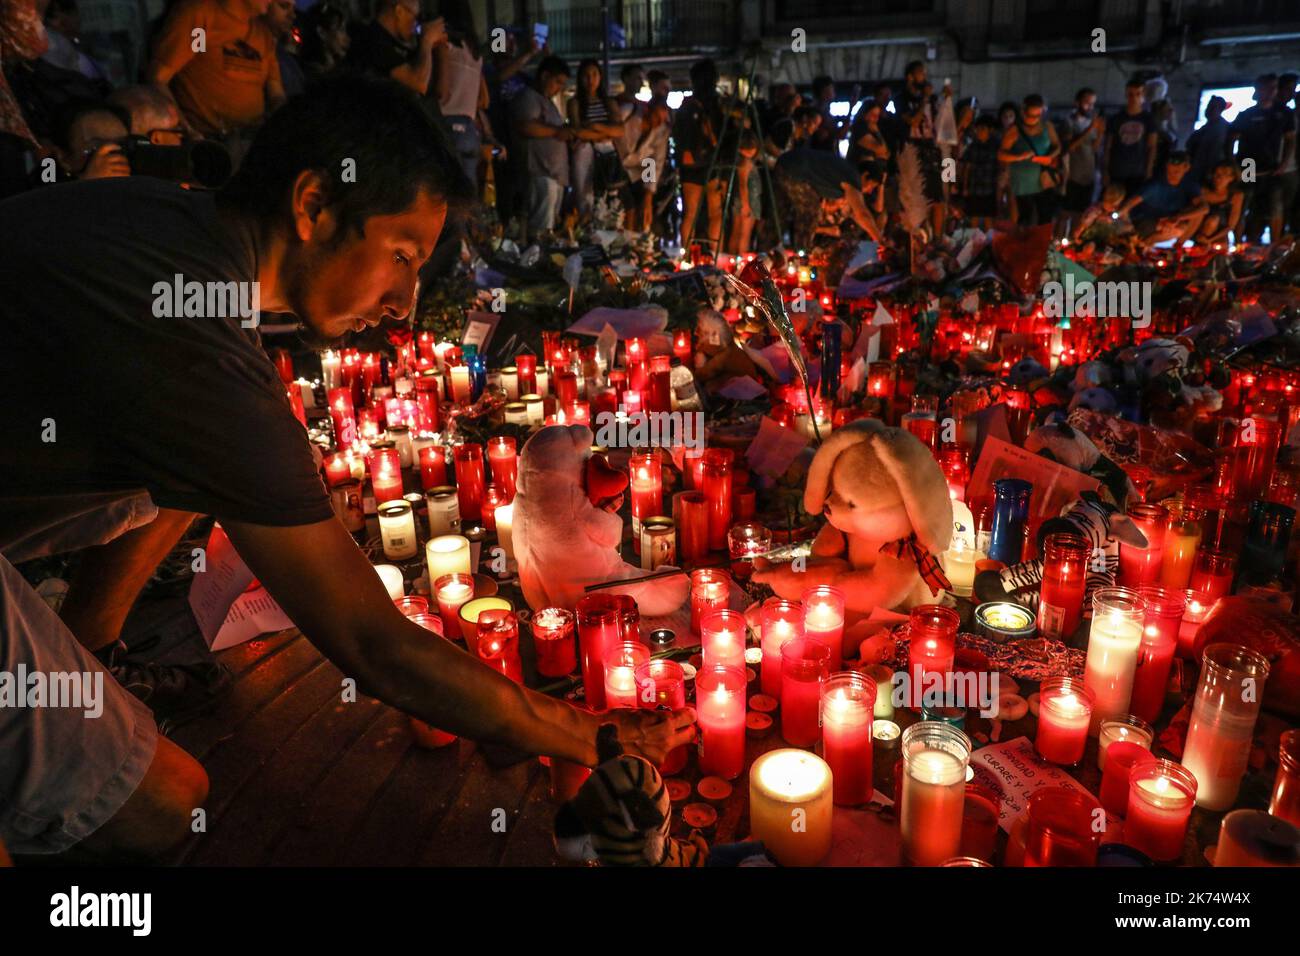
{"x":720,"y":715}
{"x":621,"y":662}
{"x":1160,"y":799}
{"x":848,"y":702}
{"x":823,"y":619}
{"x":1285,"y":802}
{"x":1060,"y":828}
{"x":1222,"y":727}
{"x":981,"y":809}
{"x":554,"y":641}
{"x":1126,"y":729}
{"x":469,"y":614}
{"x":451,"y":591}
{"x":661,"y":685}
{"x":781,"y":621}
{"x":498,"y":642}
{"x":805,"y":665}
{"x":412,"y":604}
{"x":931,"y":645}
{"x":1064,"y":713}
{"x":722,"y":638}
{"x":1115,"y":779}
{"x":710,"y":591}
{"x":935,"y":758}
{"x":745,"y":542}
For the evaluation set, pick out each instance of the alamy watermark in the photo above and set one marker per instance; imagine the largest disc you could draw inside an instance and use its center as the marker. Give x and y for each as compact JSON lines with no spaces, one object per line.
{"x":75,"y":690}
{"x":192,"y":299}
{"x":1103,"y":300}
{"x":623,"y":429}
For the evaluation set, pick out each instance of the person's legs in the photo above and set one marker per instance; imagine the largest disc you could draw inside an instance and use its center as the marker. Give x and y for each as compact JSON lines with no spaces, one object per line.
{"x":109,"y":578}
{"x":583,"y":186}
{"x":716,"y":192}
{"x":691,"y":193}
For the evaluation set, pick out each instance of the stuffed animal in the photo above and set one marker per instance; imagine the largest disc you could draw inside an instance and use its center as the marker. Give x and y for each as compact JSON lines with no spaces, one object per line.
{"x":567,"y":530}
{"x":1058,"y":441}
{"x":622,"y":815}
{"x":888,"y":516}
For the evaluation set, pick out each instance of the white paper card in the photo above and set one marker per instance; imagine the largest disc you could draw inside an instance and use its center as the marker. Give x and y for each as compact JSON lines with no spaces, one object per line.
{"x":1016,"y":771}
{"x":227,"y":612}
{"x":774,"y":448}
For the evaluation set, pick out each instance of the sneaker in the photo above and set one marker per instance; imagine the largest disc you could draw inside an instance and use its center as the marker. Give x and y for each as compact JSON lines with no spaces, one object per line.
{"x":173,"y":692}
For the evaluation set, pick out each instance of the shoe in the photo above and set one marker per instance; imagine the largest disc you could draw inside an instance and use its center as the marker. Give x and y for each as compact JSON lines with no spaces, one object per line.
{"x":173,"y":692}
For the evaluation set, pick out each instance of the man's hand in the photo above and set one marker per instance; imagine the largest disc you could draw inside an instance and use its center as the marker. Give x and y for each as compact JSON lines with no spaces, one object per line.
{"x":433,"y":33}
{"x":652,"y":733}
{"x":106,"y":162}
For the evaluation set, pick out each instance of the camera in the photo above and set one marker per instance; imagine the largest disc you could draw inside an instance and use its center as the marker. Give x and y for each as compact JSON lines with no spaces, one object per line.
{"x":204,"y":163}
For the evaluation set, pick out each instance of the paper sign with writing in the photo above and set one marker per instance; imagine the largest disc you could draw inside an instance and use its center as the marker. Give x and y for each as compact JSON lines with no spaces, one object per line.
{"x":228,"y":612}
{"x":479,"y":328}
{"x":1015,"y":771}
{"x":774,"y":448}
{"x":1055,"y":485}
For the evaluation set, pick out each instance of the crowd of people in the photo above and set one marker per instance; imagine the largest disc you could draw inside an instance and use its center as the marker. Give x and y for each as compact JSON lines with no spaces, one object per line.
{"x":548,"y":145}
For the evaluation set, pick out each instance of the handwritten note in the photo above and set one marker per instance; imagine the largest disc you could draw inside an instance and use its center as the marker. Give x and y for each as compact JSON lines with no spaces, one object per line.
{"x":227,"y":610}
{"x":774,"y":448}
{"x":1055,"y":485}
{"x":1015,"y":771}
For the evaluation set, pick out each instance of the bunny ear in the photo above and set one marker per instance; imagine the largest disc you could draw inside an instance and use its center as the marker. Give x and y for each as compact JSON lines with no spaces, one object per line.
{"x":1123,"y":530}
{"x":819,"y":473}
{"x":921,"y":482}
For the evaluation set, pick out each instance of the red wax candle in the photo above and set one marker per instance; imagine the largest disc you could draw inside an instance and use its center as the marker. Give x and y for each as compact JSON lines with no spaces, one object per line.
{"x":661,"y":391}
{"x":805,"y":664}
{"x":823,"y":619}
{"x":469,"y":480}
{"x":931,"y":645}
{"x":566,"y":387}
{"x":1164,"y":617}
{"x":720,"y":714}
{"x":433,"y":466}
{"x":578,"y":412}
{"x":682,"y":346}
{"x":1065,"y":571}
{"x":343,"y":416}
{"x":618,"y":381}
{"x":979,"y":822}
{"x":1139,"y":566}
{"x":847,"y":704}
{"x":646,"y":485}
{"x":743,"y":504}
{"x":504,"y":460}
{"x":710,"y":591}
{"x":661,"y":685}
{"x":690,"y":513}
{"x":553,"y":638}
{"x":426,"y":342}
{"x":527,"y":368}
{"x":1160,"y":799}
{"x":782,"y":621}
{"x":716,"y":485}
{"x":599,"y":629}
{"x":1059,"y":830}
{"x":1212,"y":574}
{"x":638,"y":376}
{"x":337,"y":469}
{"x":635,"y":351}
{"x":1121,"y":757}
{"x":1064,"y":712}
{"x":722,"y":638}
{"x":632,"y":401}
{"x":498,"y":642}
{"x":494,"y":497}
{"x":385,"y":465}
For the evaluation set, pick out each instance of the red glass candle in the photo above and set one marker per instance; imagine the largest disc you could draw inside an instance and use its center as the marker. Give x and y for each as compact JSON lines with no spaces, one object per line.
{"x":782,"y":621}
{"x":631,"y":400}
{"x":716,"y":485}
{"x":1121,"y":757}
{"x":566,"y":387}
{"x":620,"y":674}
{"x":433,"y":466}
{"x":578,"y":412}
{"x":931,"y":645}
{"x":682,"y":346}
{"x":823,"y":619}
{"x":1160,"y":799}
{"x":494,"y":497}
{"x":554,"y":641}
{"x":1139,"y":566}
{"x":744,"y":504}
{"x":504,"y":460}
{"x":1059,"y":830}
{"x":599,"y":629}
{"x":1212,"y":574}
{"x":385,"y":467}
{"x":338,"y":469}
{"x":343,"y":416}
{"x":722,"y":638}
{"x":369,"y":426}
{"x":710,"y":591}
{"x":661,"y":685}
{"x":646,"y":487}
{"x":527,"y":370}
{"x":660,"y":384}
{"x":629,"y":618}
{"x":720,"y":714}
{"x":1164,"y":617}
{"x":498,"y":642}
{"x":451,"y":591}
{"x":1065,"y":571}
{"x":1064,"y":712}
{"x":1197,"y":609}
{"x":635,"y":351}
{"x":1285,"y":802}
{"x":469,"y":480}
{"x":691,"y":514}
{"x":979,"y":822}
{"x":848,"y":702}
{"x":805,"y":665}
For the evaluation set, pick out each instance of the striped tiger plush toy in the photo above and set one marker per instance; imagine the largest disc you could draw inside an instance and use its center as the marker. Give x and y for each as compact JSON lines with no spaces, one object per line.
{"x":622,"y":815}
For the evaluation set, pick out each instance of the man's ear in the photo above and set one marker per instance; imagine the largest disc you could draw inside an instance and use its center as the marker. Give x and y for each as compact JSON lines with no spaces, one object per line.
{"x":308,"y":200}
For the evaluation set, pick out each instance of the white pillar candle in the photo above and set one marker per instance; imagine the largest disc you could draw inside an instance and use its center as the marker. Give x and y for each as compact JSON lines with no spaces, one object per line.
{"x":510,"y":382}
{"x":447,"y":554}
{"x":791,"y":805}
{"x":391,"y":575}
{"x":536,"y":408}
{"x":443,"y":508}
{"x":1114,"y":641}
{"x":460,"y":387}
{"x":329,"y":368}
{"x":400,"y":436}
{"x":397,"y":530}
{"x":505,"y":516}
{"x":543,"y":381}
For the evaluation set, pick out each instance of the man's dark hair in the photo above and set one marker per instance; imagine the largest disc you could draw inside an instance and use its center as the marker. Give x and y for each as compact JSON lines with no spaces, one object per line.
{"x":1034,"y":101}
{"x":67,"y":115}
{"x":987,"y":120}
{"x":1134,"y":83}
{"x":820,"y":83}
{"x":1084,"y":91}
{"x":654,"y":76}
{"x":553,"y":65}
{"x":629,"y":69}
{"x":913,"y":66}
{"x":1178,"y":157}
{"x":398,"y":149}
{"x":704,"y":73}
{"x":805,"y":113}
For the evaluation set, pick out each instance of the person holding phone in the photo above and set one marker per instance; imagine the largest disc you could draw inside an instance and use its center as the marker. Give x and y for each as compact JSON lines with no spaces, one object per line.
{"x":397,"y":45}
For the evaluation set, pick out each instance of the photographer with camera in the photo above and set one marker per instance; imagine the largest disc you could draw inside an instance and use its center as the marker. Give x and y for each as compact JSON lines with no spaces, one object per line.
{"x":88,"y":137}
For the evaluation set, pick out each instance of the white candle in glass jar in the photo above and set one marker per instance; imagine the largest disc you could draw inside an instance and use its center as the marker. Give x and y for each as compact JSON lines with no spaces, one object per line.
{"x":536,"y":408}
{"x":510,"y":382}
{"x":460,"y":386}
{"x":543,"y":377}
{"x":448,"y":554}
{"x":959,"y":566}
{"x":330,"y":362}
{"x":505,"y":517}
{"x":1113,"y":645}
{"x":391,"y":576}
{"x":443,"y":508}
{"x":934,"y":793}
{"x":397,"y":530}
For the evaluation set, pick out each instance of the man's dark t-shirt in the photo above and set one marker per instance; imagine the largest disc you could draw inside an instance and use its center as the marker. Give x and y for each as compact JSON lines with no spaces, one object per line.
{"x":1128,"y":151}
{"x":190,"y":409}
{"x":374,"y":50}
{"x":825,"y":172}
{"x":1262,"y":131}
